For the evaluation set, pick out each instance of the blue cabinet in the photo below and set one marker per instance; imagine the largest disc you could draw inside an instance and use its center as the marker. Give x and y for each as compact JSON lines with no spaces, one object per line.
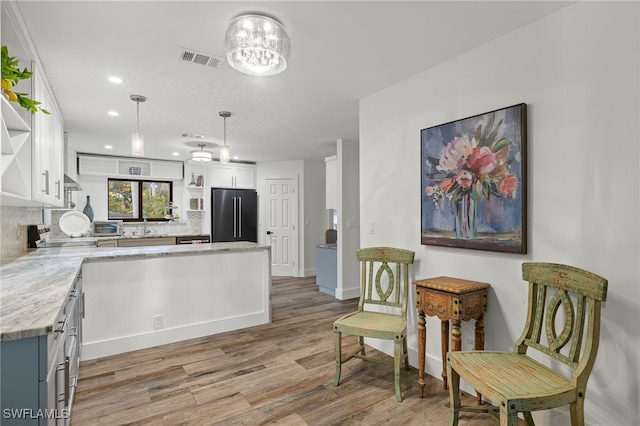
{"x":327,"y":268}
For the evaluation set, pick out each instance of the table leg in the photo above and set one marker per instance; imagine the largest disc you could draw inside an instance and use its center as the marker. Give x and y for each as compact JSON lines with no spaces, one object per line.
{"x":479,"y":346}
{"x":444,"y":341}
{"x":456,"y":336}
{"x":479,"y":334}
{"x":422,"y":338}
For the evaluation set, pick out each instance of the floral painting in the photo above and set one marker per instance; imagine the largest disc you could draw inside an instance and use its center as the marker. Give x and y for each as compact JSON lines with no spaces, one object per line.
{"x":474,"y":182}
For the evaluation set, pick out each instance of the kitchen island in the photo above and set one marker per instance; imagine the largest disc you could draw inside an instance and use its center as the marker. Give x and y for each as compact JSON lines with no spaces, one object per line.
{"x":60,"y":305}
{"x":138,"y":297}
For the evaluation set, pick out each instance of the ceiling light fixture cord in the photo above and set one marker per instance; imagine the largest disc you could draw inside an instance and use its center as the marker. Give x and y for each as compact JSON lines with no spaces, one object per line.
{"x":138,"y":114}
{"x":225,"y":155}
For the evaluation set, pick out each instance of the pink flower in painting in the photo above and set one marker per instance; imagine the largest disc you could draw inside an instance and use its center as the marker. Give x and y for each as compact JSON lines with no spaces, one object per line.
{"x":508,"y":185}
{"x":464,"y":178}
{"x":472,"y":166}
{"x":482,"y":160}
{"x":456,"y":153}
{"x":446,"y":184}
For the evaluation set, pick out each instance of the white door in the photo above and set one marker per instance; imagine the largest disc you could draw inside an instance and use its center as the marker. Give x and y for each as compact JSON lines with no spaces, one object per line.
{"x":280,"y":226}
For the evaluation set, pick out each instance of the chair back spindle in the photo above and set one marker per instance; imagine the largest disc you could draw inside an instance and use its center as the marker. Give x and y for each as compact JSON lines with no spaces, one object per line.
{"x":566,"y":296}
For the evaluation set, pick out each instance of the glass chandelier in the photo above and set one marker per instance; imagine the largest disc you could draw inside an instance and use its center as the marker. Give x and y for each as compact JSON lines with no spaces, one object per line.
{"x":257,"y":45}
{"x":137,"y":140}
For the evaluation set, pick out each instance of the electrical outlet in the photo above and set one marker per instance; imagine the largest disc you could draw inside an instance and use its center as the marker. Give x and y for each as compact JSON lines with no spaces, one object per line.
{"x":158,"y":322}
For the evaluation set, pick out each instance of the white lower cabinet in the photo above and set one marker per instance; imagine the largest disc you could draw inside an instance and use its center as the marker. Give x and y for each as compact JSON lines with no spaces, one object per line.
{"x":40,"y":373}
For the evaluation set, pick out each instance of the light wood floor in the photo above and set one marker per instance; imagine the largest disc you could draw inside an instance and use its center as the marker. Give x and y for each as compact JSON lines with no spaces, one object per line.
{"x":279,"y":373}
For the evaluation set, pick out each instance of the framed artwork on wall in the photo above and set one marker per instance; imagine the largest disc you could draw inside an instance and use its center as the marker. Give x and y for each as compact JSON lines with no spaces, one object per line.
{"x":474,"y":181}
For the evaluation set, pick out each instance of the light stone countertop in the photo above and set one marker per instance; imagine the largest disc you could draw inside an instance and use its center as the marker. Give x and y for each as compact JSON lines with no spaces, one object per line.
{"x":34,"y":287}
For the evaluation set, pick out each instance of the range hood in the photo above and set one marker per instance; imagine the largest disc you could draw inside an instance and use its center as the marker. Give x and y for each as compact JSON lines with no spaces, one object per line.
{"x":71,"y":185}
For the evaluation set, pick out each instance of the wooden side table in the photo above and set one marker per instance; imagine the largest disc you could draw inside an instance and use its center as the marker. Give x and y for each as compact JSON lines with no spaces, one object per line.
{"x":449,"y":299}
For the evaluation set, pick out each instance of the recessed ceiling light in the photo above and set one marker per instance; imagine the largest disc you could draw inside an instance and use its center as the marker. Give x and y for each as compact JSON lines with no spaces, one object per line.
{"x":108,"y":146}
{"x":115,"y":79}
{"x":113,"y":113}
{"x":176,"y":153}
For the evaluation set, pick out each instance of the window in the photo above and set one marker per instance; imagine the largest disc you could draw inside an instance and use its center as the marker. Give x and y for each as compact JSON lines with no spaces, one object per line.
{"x":134,"y":200}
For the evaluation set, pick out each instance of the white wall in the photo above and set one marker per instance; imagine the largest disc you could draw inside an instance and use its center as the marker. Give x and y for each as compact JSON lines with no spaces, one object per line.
{"x":578,"y":71}
{"x":316,"y":218}
{"x":348,"y":219}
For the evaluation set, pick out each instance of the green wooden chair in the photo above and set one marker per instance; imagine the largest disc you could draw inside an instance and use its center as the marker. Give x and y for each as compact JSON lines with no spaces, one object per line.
{"x":559,"y":295}
{"x":384,"y":281}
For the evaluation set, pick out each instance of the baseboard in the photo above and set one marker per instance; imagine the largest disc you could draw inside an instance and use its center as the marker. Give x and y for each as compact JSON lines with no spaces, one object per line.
{"x":311,"y":272}
{"x":98,"y":349}
{"x":347,"y":293}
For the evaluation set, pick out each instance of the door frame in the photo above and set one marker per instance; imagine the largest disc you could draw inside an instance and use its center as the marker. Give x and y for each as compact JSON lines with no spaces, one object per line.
{"x":295,"y":243}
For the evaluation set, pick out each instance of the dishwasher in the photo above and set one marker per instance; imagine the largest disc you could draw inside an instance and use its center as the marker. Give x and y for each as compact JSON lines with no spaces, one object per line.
{"x":193,"y":239}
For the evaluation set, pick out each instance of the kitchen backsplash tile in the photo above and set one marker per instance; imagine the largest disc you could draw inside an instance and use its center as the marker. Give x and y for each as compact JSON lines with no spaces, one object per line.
{"x":14,"y":221}
{"x":13,"y":229}
{"x":190,"y":224}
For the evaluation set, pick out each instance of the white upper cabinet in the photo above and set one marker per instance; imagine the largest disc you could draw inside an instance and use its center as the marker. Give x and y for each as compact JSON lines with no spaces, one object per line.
{"x":48,"y":147}
{"x":71,"y":163}
{"x":233,"y":175}
{"x":32,"y":162}
{"x":129,"y":167}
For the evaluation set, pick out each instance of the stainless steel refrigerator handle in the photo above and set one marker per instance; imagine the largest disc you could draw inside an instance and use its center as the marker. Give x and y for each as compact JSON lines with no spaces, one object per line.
{"x":240,"y":217}
{"x":235,"y":216}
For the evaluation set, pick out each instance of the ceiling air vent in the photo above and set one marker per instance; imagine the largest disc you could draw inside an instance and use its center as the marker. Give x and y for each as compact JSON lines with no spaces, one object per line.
{"x":190,"y":55}
{"x":191,"y":135}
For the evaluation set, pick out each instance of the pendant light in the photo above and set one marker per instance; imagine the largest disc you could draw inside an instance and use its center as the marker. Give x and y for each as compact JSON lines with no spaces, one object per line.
{"x":201,"y":155}
{"x":225,"y":155}
{"x":137,"y":140}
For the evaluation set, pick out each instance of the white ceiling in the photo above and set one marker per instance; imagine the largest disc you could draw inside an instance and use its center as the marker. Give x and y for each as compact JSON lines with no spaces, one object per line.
{"x":341,"y":52}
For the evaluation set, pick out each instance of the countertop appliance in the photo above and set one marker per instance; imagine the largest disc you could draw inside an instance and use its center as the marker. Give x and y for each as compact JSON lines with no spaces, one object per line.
{"x":111,"y":228}
{"x":234,"y":215}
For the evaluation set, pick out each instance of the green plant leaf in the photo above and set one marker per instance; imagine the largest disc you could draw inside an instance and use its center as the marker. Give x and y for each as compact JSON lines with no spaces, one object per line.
{"x":494,"y":132}
{"x":499,"y":144}
{"x":11,"y":71}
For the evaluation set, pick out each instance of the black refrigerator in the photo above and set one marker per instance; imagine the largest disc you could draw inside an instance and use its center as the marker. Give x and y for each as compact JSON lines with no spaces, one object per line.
{"x":234,"y":215}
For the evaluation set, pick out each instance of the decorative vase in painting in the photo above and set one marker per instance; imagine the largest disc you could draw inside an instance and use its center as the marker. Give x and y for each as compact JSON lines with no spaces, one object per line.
{"x":466,"y":211}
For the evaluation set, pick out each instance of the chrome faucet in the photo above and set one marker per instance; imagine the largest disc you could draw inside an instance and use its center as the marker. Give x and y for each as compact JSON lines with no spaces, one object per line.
{"x":144,"y":227}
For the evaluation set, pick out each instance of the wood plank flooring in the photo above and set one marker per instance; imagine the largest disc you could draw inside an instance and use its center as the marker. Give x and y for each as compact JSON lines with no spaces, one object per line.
{"x":280,"y":373}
